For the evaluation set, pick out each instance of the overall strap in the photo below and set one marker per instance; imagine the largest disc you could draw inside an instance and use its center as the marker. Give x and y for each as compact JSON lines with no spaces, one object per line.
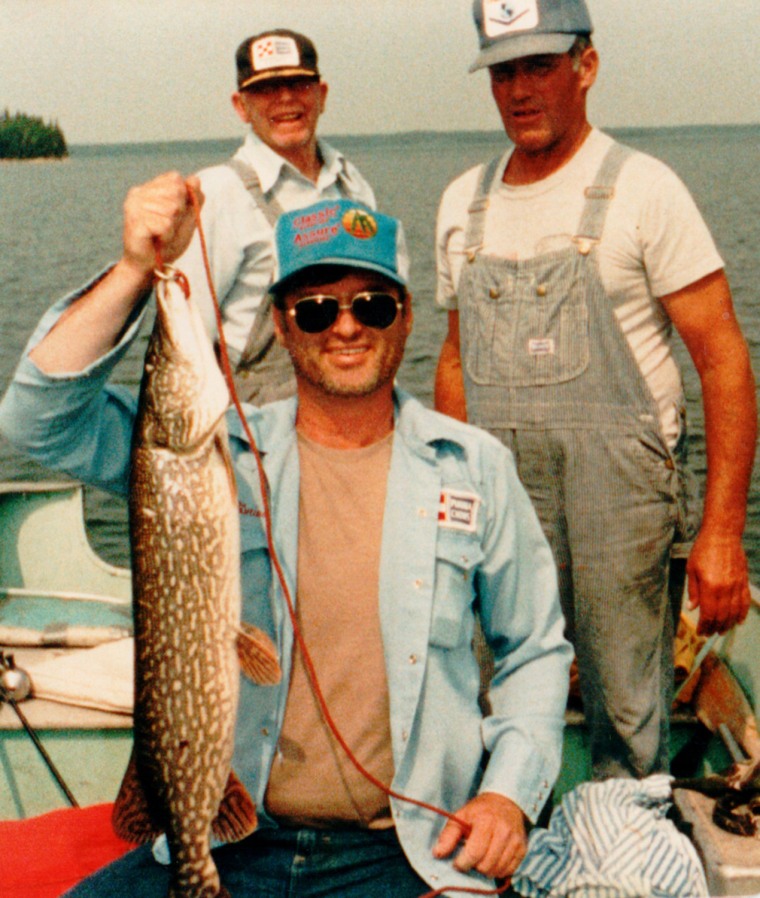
{"x":343,"y":183}
{"x":598,"y":196}
{"x":248,"y":175}
{"x":476,"y":222}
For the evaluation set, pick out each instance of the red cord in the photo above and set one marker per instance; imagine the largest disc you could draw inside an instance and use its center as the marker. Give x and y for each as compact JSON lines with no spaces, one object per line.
{"x":305,"y":655}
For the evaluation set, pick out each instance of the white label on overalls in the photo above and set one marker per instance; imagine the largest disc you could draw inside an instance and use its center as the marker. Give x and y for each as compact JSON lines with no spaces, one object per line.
{"x":541,"y":346}
{"x":458,"y":510}
{"x":274,"y":52}
{"x":508,"y":16}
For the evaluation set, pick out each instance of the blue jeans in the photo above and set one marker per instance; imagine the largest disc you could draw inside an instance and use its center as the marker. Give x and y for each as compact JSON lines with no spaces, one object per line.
{"x":284,"y":863}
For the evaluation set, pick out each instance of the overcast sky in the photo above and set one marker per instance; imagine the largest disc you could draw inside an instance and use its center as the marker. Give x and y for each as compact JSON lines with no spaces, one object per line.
{"x":139,"y":70}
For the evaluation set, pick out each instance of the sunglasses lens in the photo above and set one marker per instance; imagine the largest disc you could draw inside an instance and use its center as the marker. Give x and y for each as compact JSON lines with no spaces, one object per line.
{"x":376,"y":310}
{"x":315,"y":315}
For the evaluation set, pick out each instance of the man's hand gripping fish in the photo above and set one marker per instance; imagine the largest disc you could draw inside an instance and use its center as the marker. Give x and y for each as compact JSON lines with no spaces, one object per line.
{"x":189,"y":642}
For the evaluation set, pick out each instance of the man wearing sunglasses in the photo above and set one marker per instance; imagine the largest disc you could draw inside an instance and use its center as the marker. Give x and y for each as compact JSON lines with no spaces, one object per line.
{"x":395,"y":527}
{"x":281,"y":165}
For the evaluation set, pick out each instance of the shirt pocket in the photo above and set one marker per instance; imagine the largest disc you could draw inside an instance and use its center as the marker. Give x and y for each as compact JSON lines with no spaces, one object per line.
{"x":457,"y":558}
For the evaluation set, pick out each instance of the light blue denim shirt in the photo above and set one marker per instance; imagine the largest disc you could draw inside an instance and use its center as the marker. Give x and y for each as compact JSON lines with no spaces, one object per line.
{"x":459,"y":537}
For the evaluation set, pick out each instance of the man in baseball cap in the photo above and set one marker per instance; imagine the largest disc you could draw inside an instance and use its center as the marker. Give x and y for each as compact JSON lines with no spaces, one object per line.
{"x":566,"y":264}
{"x":282,"y":165}
{"x":397,"y":529}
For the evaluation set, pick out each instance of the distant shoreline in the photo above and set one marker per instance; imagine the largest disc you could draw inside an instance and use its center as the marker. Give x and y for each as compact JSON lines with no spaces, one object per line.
{"x":27,"y":161}
{"x":396,"y":137}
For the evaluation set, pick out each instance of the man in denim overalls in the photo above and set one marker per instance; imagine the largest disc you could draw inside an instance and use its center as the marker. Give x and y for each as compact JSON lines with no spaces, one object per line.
{"x":564,"y":265}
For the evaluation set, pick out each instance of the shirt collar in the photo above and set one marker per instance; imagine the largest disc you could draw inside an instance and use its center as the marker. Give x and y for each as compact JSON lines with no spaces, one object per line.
{"x":270,"y":166}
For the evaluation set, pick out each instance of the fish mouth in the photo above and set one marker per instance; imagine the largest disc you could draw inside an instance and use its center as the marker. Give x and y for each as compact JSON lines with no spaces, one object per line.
{"x":184,"y":334}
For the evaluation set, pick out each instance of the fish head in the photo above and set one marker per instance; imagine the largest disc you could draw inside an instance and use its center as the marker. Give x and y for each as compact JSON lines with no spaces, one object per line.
{"x":183,"y":393}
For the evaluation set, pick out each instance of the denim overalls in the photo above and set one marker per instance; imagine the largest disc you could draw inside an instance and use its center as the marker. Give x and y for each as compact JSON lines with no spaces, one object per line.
{"x":548,"y":370}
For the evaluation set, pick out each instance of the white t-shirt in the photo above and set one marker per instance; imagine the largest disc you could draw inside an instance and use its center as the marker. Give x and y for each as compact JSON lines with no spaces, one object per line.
{"x":654,"y":243}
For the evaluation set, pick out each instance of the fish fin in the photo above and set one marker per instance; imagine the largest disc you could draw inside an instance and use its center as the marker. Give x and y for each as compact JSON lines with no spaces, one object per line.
{"x":237,"y":816}
{"x":258,"y":656}
{"x":132,"y":818}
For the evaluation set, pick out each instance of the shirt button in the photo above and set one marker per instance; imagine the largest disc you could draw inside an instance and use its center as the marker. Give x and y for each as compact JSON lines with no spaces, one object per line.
{"x":418,"y":583}
{"x":404,"y":735}
{"x":494,"y":293}
{"x":422,"y":512}
{"x":412,"y":659}
{"x":541,"y":290}
{"x":264,"y":731}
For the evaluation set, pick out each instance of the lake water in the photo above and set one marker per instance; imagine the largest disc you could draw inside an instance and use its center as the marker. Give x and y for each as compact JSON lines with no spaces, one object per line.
{"x":61,"y":222}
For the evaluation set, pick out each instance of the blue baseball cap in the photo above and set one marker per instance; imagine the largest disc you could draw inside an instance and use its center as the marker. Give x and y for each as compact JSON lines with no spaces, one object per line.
{"x":339,"y":232}
{"x":510,"y":29}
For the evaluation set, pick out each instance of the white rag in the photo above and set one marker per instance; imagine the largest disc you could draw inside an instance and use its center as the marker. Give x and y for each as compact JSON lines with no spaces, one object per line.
{"x":100,"y":678}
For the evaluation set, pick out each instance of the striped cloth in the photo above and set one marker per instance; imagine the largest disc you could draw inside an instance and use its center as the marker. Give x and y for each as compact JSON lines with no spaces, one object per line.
{"x":612,"y":840}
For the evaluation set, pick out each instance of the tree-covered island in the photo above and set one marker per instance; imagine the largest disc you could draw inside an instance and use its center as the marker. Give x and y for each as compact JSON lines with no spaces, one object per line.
{"x":28,"y":137}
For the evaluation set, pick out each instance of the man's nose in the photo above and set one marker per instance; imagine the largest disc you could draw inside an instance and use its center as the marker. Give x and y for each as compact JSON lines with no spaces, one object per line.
{"x":345,"y":324}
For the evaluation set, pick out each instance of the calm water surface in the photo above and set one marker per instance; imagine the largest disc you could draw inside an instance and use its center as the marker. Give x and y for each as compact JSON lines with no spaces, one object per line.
{"x":61,"y":222}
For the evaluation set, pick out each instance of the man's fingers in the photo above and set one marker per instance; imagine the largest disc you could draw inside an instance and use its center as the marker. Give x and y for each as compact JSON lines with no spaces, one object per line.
{"x":160,"y":212}
{"x":448,"y":840}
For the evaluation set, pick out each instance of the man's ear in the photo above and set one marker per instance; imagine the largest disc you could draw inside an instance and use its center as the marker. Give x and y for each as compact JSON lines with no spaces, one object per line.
{"x":588,"y":67}
{"x":239,"y":105}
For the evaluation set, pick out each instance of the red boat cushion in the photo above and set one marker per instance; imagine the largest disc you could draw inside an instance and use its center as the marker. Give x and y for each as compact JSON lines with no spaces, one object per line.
{"x":44,"y":856}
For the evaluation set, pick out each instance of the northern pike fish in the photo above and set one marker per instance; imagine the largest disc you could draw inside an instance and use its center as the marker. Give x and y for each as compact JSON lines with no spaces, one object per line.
{"x":190,"y":644}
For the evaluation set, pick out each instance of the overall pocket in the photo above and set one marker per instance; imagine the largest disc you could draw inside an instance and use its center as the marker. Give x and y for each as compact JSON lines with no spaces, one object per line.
{"x":524,"y":325}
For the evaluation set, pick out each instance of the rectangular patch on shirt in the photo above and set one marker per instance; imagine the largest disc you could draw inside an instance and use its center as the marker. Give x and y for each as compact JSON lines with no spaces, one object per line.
{"x":458,"y":510}
{"x":541,"y":346}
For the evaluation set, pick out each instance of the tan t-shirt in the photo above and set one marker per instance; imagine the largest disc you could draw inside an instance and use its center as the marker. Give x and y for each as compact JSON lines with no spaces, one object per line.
{"x":312,"y":782}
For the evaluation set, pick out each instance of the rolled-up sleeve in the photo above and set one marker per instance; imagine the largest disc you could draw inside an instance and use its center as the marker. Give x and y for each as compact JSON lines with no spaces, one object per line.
{"x":73,"y":423}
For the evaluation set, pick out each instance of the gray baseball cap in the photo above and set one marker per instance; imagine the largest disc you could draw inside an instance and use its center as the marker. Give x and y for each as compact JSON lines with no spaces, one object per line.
{"x":509,"y":29}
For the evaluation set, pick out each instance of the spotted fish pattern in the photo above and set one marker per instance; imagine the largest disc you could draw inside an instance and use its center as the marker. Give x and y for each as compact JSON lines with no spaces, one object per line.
{"x":189,"y":639}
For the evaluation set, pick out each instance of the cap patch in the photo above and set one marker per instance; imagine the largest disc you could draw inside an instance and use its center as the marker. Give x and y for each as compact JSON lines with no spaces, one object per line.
{"x":360,"y":224}
{"x":274,"y":53}
{"x":458,"y":510}
{"x":502,"y":17}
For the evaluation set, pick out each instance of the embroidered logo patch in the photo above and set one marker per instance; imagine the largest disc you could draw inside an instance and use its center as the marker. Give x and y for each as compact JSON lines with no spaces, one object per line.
{"x":541,"y":346}
{"x":359,"y":223}
{"x":458,"y":510}
{"x":502,"y":17}
{"x":274,"y":52}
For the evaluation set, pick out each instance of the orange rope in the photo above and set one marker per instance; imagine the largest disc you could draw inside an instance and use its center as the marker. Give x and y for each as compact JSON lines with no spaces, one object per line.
{"x":306,"y":656}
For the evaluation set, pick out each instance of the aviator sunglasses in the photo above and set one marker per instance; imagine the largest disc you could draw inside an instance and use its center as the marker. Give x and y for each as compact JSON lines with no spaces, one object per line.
{"x":371,"y":308}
